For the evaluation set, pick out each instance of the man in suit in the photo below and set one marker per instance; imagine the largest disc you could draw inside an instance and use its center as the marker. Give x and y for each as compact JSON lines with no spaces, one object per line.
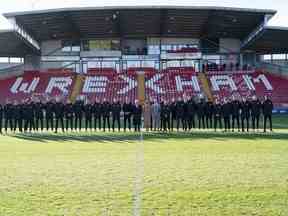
{"x":59,"y":115}
{"x":8,"y":114}
{"x":267,"y":112}
{"x":97,"y":112}
{"x":116,"y":110}
{"x":106,"y":109}
{"x":137,"y":115}
{"x":69,"y":115}
{"x":256,"y":107}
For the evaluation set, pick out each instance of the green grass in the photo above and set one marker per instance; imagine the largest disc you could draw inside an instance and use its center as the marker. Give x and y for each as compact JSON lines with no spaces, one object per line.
{"x":200,"y":173}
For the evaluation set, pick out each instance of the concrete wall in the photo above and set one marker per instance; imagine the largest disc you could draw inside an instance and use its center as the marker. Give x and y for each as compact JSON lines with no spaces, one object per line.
{"x":167,"y":41}
{"x":133,"y":44}
{"x":250,"y":58}
{"x":50,"y":46}
{"x":227,"y":45}
{"x":32,"y":62}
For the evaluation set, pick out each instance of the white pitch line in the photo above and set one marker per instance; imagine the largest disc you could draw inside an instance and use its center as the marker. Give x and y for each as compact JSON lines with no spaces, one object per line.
{"x":138,"y":184}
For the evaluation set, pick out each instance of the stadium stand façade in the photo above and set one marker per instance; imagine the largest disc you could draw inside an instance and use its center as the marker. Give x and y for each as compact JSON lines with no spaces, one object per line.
{"x":183,"y":52}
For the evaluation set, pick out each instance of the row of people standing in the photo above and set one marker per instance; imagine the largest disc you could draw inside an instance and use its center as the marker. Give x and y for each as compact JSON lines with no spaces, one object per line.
{"x":54,"y":115}
{"x":232,"y":114}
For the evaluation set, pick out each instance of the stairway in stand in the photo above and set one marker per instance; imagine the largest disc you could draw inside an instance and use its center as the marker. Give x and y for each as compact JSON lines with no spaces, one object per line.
{"x":206,"y":86}
{"x":76,"y":89}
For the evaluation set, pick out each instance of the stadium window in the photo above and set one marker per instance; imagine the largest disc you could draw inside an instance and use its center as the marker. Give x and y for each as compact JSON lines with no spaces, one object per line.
{"x":4,"y":60}
{"x":75,"y":49}
{"x":279,"y":57}
{"x":115,"y":45}
{"x":70,"y":46}
{"x":66,"y":46}
{"x":153,"y":50}
{"x":267,"y":57}
{"x":85,"y":45}
{"x":15,"y":60}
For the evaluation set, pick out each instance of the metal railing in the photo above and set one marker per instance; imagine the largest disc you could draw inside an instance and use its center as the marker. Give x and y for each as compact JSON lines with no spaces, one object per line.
{"x":12,"y":71}
{"x":273,"y":68}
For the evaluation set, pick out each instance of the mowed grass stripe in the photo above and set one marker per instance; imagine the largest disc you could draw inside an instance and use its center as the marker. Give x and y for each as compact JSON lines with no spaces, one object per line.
{"x":200,"y":173}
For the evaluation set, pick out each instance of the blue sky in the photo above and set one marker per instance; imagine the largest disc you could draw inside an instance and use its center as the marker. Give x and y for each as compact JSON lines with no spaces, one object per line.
{"x":281,"y":19}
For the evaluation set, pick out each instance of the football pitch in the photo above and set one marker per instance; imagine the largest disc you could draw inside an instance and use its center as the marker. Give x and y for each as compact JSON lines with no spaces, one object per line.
{"x":198,"y":173}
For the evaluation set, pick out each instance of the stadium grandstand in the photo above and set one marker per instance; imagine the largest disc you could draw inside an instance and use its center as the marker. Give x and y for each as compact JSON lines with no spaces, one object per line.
{"x":183,"y":51}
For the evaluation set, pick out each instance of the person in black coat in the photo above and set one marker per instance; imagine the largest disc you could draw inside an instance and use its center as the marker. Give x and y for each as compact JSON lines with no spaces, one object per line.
{"x":127,"y":110}
{"x":59,"y":115}
{"x":208,"y":113}
{"x":245,"y":110}
{"x":69,"y":115}
{"x":49,"y":114}
{"x":185,"y":115}
{"x":8,"y":114}
{"x":173,"y":113}
{"x":191,"y":111}
{"x":267,"y":112}
{"x":200,"y":107}
{"x":29,"y":116}
{"x":256,"y":107}
{"x":88,"y":112}
{"x":217,"y":114}
{"x":97,"y":114}
{"x":161,"y":115}
{"x":39,"y":115}
{"x":166,"y":116}
{"x":17,"y":116}
{"x":106,"y":109}
{"x":235,"y":110}
{"x":137,"y":115}
{"x":226,"y":110}
{"x":1,"y":117}
{"x":116,"y":110}
{"x":78,"y":114}
{"x":180,"y":112}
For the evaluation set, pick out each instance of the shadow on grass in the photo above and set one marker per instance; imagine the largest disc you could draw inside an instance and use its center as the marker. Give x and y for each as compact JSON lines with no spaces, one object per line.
{"x":134,"y":137}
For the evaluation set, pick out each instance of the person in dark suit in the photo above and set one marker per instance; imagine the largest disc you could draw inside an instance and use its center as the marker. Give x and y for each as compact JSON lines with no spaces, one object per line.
{"x":97,"y":112}
{"x":235,"y":110}
{"x":49,"y":114}
{"x":226,"y":110}
{"x":39,"y":115}
{"x":88,"y":112}
{"x":137,"y":114}
{"x":29,"y":116}
{"x":245,"y":110}
{"x":161,"y":115}
{"x":116,"y":110}
{"x":106,"y":109}
{"x":267,"y":112}
{"x":180,"y":113}
{"x":59,"y":115}
{"x":69,"y":115}
{"x":208,"y":113}
{"x":166,"y":116}
{"x":200,"y":107}
{"x":173,"y":113}
{"x":127,"y":110}
{"x":191,"y":111}
{"x":78,"y":113}
{"x":8,"y":114}
{"x":18,"y":116}
{"x":256,"y":107}
{"x":217,"y":114}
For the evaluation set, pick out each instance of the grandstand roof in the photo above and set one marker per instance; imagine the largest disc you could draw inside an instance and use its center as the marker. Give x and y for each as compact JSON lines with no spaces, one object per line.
{"x":271,"y":39}
{"x":167,"y":21}
{"x":13,"y":45}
